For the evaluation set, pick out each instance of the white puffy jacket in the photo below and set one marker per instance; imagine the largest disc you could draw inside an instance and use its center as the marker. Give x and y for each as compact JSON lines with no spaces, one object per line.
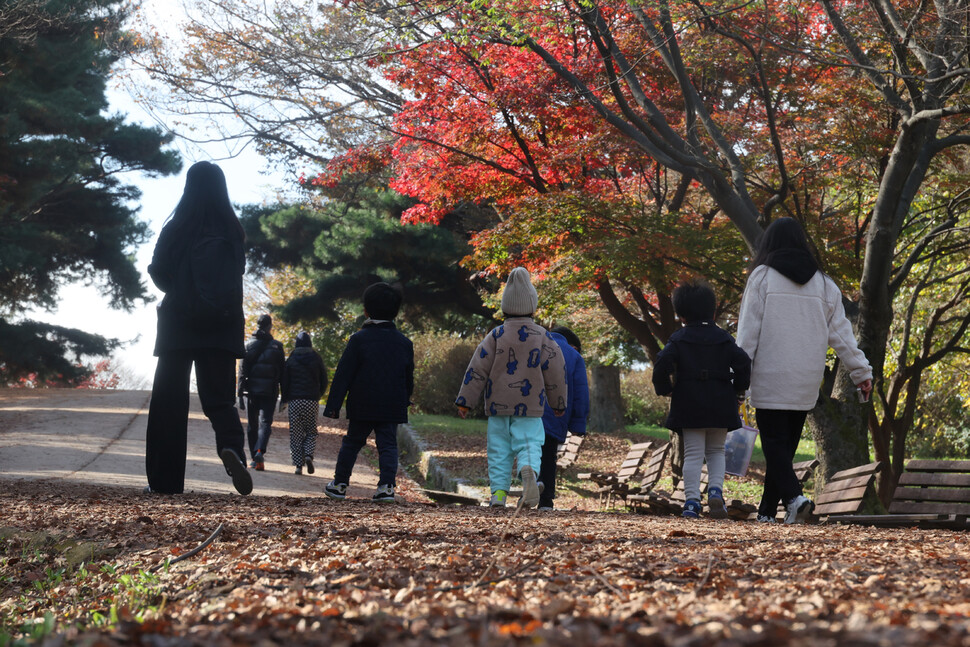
{"x":786,"y":329}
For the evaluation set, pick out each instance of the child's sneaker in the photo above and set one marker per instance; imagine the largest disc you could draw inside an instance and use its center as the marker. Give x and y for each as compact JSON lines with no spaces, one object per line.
{"x":336,"y":490}
{"x":298,"y":470}
{"x":763,"y":518}
{"x":384,"y":494}
{"x":799,"y":509}
{"x":715,"y":501}
{"x":258,"y":463}
{"x":498,"y":499}
{"x":309,"y":464}
{"x":692,"y":509}
{"x":530,"y":488}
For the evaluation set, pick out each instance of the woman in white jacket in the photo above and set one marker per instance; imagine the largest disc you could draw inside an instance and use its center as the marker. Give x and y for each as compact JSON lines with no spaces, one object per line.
{"x":791,"y":313}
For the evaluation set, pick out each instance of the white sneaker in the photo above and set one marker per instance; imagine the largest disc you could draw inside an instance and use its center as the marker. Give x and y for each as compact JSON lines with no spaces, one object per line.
{"x":763,"y":518}
{"x":530,"y":488}
{"x":799,"y":509}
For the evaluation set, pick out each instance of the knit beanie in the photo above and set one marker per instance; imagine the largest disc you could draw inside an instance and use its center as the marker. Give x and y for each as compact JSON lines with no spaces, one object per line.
{"x":303,"y":340}
{"x":519,"y":297}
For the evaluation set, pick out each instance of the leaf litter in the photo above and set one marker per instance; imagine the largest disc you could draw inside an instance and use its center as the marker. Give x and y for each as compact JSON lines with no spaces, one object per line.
{"x":313,"y":571}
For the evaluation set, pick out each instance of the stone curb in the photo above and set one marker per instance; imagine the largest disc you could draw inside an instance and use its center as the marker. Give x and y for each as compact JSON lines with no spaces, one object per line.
{"x":412,"y":451}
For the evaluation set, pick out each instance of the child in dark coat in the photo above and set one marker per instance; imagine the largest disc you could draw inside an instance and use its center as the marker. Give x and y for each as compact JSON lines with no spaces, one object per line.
{"x":304,"y":383}
{"x":573,"y":421}
{"x":376,"y":375}
{"x":706,"y":373}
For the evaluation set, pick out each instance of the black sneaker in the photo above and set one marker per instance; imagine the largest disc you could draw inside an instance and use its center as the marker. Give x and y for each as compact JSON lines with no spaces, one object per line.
{"x":309,"y":464}
{"x":384,"y":494}
{"x":241,"y":480}
{"x":336,"y":490}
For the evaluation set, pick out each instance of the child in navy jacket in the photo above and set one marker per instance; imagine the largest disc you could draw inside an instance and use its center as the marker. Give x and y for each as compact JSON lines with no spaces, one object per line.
{"x":574,"y":420}
{"x":705,"y":372}
{"x":376,"y":375}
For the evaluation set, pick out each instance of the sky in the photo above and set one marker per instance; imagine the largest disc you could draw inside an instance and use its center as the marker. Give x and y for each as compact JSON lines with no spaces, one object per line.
{"x":250,"y":180}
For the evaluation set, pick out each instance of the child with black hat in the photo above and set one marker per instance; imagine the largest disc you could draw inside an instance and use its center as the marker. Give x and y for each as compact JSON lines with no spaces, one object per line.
{"x":376,"y":375}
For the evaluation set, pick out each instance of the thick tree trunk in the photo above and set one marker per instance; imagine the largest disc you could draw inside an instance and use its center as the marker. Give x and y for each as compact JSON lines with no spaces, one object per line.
{"x":605,"y":403}
{"x":838,"y":425}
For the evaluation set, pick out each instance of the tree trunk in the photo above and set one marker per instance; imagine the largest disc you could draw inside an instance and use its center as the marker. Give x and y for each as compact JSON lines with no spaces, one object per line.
{"x":838,"y":425}
{"x":606,"y":405}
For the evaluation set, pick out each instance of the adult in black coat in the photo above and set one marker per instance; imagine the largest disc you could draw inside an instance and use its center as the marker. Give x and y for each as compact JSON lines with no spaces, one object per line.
{"x":259,"y":382}
{"x":198,"y":263}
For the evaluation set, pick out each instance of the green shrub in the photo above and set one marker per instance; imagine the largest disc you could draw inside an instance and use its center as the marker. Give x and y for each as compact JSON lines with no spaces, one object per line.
{"x":944,"y":441}
{"x":642,"y":404}
{"x":440,"y":361}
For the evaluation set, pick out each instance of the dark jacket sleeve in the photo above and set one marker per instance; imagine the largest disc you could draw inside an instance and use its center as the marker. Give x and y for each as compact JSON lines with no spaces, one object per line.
{"x":323,"y":375}
{"x":285,"y":380}
{"x":579,"y":394}
{"x":163,"y":267}
{"x":663,"y":370}
{"x":741,"y":365}
{"x":410,"y":372}
{"x":343,"y":377}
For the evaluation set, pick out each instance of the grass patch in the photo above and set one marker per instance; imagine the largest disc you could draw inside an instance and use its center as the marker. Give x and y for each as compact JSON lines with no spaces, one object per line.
{"x":438,"y":424}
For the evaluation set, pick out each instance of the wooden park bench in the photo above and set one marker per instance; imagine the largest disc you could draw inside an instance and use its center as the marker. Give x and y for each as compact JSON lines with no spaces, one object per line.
{"x":661,"y":502}
{"x":629,"y":467}
{"x":569,"y":450}
{"x":845,"y":491}
{"x":930,"y":493}
{"x":651,"y":475}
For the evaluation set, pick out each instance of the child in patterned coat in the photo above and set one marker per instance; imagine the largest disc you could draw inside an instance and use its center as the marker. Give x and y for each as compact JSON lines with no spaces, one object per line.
{"x":519,"y":367}
{"x":304,"y":383}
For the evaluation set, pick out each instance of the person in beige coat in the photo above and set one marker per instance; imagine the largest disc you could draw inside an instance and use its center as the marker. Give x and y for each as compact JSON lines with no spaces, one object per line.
{"x":791,"y":313}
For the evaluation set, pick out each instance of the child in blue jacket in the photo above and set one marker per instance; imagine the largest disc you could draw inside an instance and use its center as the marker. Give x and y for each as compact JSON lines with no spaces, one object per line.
{"x":705,"y":373}
{"x":574,"y":420}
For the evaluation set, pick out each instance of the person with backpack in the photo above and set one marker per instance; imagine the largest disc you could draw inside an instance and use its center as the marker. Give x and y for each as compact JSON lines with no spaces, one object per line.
{"x":198,"y":263}
{"x":259,"y":384}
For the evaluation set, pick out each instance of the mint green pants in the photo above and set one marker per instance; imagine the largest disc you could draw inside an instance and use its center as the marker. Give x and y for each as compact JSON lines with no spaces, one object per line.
{"x":512,"y":439}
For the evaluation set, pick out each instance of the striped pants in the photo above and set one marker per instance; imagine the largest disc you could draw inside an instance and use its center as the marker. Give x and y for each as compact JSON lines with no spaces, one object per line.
{"x":303,"y":429}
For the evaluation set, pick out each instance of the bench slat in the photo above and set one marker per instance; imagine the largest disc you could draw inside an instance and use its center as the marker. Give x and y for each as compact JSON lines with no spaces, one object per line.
{"x":931,"y":494}
{"x":924,"y":465}
{"x":851,"y":494}
{"x":848,"y":484}
{"x":909,"y":507}
{"x":840,"y":507}
{"x":862,"y":470}
{"x":934,"y":479}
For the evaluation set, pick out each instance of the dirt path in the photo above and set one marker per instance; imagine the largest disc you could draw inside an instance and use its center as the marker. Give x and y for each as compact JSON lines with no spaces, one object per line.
{"x":98,"y":437}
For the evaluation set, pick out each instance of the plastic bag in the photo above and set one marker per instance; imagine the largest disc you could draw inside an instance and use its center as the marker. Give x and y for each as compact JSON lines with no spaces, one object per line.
{"x":738,"y":447}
